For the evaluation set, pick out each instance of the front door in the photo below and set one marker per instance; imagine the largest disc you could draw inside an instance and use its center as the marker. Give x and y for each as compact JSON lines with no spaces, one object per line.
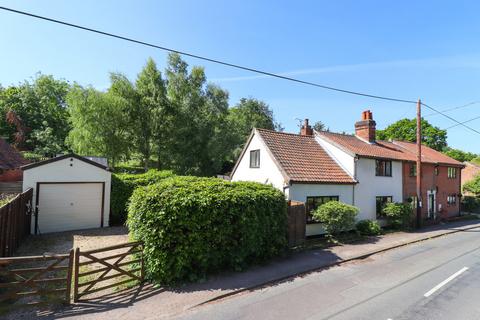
{"x":431,"y":205}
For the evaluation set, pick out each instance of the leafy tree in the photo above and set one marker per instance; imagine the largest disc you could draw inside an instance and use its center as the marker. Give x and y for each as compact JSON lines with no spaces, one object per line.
{"x":459,"y":155}
{"x":249,"y":113}
{"x":473,"y":186}
{"x":476,"y":160}
{"x":406,"y":130}
{"x":99,"y":125}
{"x":39,"y":107}
{"x":319,"y":126}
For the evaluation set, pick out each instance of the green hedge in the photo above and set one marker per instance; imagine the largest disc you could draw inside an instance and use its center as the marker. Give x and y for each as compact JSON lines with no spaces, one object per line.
{"x":124,"y":184}
{"x":368,"y":227}
{"x":192,"y":226}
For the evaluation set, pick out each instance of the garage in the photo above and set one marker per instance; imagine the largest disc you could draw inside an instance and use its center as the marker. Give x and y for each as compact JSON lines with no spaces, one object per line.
{"x":70,"y":193}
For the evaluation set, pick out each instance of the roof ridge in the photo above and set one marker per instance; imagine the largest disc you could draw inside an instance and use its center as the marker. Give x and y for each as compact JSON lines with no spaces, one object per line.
{"x":285,"y":133}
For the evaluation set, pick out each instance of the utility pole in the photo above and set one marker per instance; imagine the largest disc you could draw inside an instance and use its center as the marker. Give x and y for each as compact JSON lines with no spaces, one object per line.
{"x":419,"y":164}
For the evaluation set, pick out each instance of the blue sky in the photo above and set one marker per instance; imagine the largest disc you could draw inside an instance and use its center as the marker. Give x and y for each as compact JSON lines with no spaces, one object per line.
{"x":405,"y":49}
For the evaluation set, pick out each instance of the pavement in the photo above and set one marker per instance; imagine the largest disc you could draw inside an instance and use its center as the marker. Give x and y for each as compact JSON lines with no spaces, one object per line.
{"x":151,"y":302}
{"x":429,"y":280}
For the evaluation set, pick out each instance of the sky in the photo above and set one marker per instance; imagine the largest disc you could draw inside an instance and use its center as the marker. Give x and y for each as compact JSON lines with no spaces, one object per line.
{"x":410,"y":50}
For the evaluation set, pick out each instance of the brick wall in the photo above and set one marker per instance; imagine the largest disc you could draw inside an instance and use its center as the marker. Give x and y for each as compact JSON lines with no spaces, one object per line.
{"x":430,"y":181}
{"x":11,"y":175}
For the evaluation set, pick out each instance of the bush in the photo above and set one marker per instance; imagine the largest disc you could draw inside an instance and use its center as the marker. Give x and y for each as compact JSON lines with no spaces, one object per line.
{"x":369,"y":228}
{"x":123,"y":186}
{"x":470,"y":204}
{"x":336,"y":217}
{"x":192,"y":227}
{"x":399,"y":215}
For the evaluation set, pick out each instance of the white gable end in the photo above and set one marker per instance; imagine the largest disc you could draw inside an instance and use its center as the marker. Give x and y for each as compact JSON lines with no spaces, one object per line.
{"x":267,"y":172}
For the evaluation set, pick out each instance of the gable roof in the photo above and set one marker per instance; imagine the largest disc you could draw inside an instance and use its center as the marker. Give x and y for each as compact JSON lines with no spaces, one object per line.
{"x":70,"y":155}
{"x":392,"y":150}
{"x":9,"y":157}
{"x":302,"y":159}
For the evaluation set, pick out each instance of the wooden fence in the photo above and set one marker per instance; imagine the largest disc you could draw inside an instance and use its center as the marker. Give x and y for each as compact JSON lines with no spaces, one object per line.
{"x":296,"y":223}
{"x":36,"y":279}
{"x":15,"y":219}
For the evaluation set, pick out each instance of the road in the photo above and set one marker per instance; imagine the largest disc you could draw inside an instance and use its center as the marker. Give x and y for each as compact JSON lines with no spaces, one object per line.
{"x":435,"y":279}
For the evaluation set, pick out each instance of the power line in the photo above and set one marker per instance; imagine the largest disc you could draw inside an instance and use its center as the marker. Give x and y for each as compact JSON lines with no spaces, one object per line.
{"x":455,"y":108}
{"x":108,"y":34}
{"x":448,"y":117}
{"x":456,"y":125}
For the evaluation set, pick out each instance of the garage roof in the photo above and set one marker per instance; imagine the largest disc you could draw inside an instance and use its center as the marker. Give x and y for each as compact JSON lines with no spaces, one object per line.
{"x":65,"y":156}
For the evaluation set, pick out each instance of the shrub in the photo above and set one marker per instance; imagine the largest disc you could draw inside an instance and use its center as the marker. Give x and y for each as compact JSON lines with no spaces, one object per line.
{"x":470,"y":204}
{"x":398,"y":214}
{"x":473,"y":186}
{"x":193,"y":226}
{"x":123,"y":186}
{"x":336,"y":216}
{"x":369,"y":227}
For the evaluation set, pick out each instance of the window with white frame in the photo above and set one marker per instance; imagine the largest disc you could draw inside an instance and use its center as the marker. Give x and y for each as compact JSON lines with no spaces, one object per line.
{"x":452,"y":173}
{"x":255,"y":159}
{"x":452,"y":199}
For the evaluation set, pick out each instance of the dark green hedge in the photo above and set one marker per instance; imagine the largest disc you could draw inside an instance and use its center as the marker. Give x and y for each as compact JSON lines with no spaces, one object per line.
{"x":124,"y":184}
{"x":194,"y":226}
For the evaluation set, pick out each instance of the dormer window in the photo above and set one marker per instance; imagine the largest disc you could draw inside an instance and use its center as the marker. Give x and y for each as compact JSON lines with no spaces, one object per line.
{"x":255,"y":159}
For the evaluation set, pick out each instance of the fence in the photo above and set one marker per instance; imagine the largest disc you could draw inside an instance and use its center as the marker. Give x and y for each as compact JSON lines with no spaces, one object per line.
{"x":296,"y":223}
{"x":51,"y":278}
{"x":15,"y":219}
{"x":36,"y":279}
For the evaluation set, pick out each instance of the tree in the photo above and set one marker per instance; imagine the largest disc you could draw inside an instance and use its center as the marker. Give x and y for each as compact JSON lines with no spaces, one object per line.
{"x":406,"y":129}
{"x":473,"y":186}
{"x":459,"y":155}
{"x":99,"y":125}
{"x":247,"y":114}
{"x":36,"y":109}
{"x":319,"y":126}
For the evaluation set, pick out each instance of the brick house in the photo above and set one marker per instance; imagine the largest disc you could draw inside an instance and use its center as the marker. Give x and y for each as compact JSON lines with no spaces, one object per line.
{"x":10,"y":162}
{"x":316,"y":167}
{"x":470,"y":171}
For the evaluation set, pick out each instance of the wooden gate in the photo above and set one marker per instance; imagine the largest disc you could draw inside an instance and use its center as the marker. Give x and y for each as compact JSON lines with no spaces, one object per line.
{"x":296,"y":223}
{"x":36,"y":279}
{"x":105,"y":268}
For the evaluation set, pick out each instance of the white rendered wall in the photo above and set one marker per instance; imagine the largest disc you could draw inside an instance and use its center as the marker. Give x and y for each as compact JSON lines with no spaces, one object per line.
{"x":370,"y":186}
{"x":300,"y":192}
{"x":267,"y":173}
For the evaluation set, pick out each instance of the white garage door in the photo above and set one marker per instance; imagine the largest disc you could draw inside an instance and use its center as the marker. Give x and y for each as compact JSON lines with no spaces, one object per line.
{"x":69,"y":206}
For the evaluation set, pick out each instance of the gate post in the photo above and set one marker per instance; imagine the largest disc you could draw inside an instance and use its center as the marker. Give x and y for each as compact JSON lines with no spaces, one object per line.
{"x":75,"y":277}
{"x":69,"y":276}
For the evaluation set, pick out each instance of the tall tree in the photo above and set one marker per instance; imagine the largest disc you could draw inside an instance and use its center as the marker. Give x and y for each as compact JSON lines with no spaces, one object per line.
{"x":406,"y":129}
{"x":99,"y":125}
{"x":319,"y":126}
{"x":40,"y":107}
{"x":459,"y":155}
{"x":247,"y":114}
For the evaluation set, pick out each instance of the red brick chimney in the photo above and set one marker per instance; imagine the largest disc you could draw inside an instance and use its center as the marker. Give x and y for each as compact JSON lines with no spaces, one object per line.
{"x":306,"y":129}
{"x":365,"y":128}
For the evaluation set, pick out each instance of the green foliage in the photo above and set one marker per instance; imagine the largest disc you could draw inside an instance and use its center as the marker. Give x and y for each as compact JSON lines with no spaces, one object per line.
{"x":123,"y":185}
{"x":406,"y":130}
{"x":473,"y":186}
{"x":99,"y":125}
{"x":248,"y":114}
{"x":476,"y":161}
{"x":40,"y":105}
{"x":470,"y":204}
{"x":192,"y":227}
{"x":399,"y":215}
{"x":368,"y":227}
{"x":336,"y":217}
{"x":459,"y":155}
{"x":319,"y":126}
{"x":33,"y":157}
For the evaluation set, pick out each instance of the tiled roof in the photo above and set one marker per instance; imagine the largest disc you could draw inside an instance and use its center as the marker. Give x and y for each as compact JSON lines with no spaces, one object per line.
{"x":9,"y":157}
{"x":395,"y":150}
{"x":303,"y":159}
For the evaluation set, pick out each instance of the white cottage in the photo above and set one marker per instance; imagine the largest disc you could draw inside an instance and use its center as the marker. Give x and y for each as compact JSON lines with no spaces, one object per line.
{"x":70,"y":192}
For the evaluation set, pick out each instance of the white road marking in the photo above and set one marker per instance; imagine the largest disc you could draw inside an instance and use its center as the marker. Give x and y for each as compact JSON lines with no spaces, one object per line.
{"x":444,"y":282}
